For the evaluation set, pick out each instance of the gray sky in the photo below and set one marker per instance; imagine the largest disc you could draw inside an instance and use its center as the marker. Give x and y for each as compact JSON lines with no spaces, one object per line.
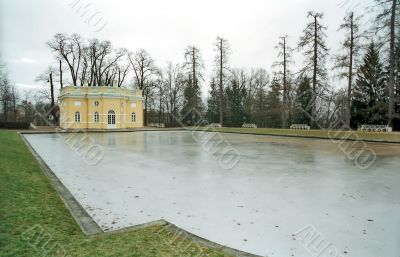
{"x":163,"y":28}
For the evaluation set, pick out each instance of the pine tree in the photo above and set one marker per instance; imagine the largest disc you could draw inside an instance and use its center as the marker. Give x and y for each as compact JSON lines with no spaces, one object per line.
{"x":396,"y":122}
{"x":387,"y":21}
{"x":213,"y":103}
{"x":397,"y":78}
{"x":257,"y":101}
{"x":303,"y":100}
{"x":235,"y":95}
{"x":274,"y":105}
{"x":369,"y":96}
{"x":192,"y":106}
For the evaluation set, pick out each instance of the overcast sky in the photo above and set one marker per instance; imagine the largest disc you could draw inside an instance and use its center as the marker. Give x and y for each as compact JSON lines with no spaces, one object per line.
{"x":163,"y":28}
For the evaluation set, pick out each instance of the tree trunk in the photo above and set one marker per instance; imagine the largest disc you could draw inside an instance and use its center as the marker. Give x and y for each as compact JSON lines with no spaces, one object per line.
{"x":5,"y":107}
{"x":392,"y":63}
{"x":159,"y":111}
{"x":61,"y":74}
{"x":349,"y":89}
{"x":14,"y":102}
{"x":221,"y":87}
{"x":194,"y":88}
{"x":314,"y":86}
{"x":284,"y":103}
{"x":145,"y":110}
{"x":53,"y":106}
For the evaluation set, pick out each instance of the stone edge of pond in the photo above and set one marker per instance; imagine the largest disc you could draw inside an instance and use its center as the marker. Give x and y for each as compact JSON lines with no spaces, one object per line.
{"x":58,"y":130}
{"x":90,"y":227}
{"x":85,"y":222}
{"x":301,"y":136}
{"x":228,"y":132}
{"x":177,"y":231}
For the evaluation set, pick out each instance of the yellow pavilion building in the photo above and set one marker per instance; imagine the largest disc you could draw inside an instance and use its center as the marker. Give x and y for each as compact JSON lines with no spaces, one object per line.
{"x":100,"y":108}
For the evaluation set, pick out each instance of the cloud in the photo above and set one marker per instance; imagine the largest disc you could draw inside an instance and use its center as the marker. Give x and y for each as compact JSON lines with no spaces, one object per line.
{"x":21,"y":85}
{"x":24,"y":60}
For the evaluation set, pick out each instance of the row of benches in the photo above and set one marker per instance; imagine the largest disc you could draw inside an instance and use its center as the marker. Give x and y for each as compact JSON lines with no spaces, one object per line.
{"x":157,"y":125}
{"x":245,"y":125}
{"x":300,"y":126}
{"x":367,"y":128}
{"x":215,"y":125}
{"x":249,"y":125}
{"x":375,"y":128}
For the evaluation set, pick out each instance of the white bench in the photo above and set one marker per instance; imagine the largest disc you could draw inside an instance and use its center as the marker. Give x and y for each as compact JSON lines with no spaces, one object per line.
{"x":157,"y":125}
{"x":215,"y":125}
{"x":250,"y":125}
{"x":375,"y":128}
{"x":300,"y":126}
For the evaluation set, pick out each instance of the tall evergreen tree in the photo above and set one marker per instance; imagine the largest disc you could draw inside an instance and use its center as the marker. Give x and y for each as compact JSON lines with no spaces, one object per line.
{"x":274,"y":105}
{"x":256,"y":96}
{"x":303,"y":100}
{"x":315,"y":51}
{"x":369,"y":97}
{"x":235,"y":94}
{"x":396,"y":122}
{"x":213,"y":103}
{"x":397,"y":78}
{"x":192,"y":105}
{"x":386,"y":21}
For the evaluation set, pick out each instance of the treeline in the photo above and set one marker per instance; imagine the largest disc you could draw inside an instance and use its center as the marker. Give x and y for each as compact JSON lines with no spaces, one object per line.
{"x":17,"y":110}
{"x":368,"y":66}
{"x":8,"y":96}
{"x":361,"y":87}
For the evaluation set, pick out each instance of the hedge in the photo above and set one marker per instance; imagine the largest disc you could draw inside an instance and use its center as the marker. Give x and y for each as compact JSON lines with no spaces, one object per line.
{"x":14,"y":125}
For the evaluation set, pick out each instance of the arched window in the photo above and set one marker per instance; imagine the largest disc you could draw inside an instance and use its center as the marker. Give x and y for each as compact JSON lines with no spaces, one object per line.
{"x":111,"y":117}
{"x":133,"y":117}
{"x":77,"y":117}
{"x":96,"y":117}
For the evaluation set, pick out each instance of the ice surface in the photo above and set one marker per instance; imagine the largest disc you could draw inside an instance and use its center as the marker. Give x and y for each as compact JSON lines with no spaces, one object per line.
{"x":279,"y":187}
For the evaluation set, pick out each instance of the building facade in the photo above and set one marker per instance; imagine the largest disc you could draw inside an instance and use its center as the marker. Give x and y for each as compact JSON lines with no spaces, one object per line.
{"x":100,"y":108}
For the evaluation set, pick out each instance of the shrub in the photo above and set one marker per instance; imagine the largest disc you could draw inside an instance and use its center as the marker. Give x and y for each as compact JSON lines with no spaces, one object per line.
{"x":14,"y":125}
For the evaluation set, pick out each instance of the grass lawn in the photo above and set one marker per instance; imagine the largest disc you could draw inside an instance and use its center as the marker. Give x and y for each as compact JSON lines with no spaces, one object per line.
{"x":374,"y":136}
{"x":32,"y":213}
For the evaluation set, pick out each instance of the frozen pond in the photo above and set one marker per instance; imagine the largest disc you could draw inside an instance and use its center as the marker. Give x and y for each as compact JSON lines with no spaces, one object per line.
{"x":265,"y":205}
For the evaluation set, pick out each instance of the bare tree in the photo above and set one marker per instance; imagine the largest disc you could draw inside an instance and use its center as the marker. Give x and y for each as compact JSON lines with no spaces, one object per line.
{"x":315,"y":51}
{"x":285,"y":58}
{"x":5,"y":92}
{"x":161,"y":88}
{"x":70,"y":49}
{"x":194,"y":69}
{"x":174,"y":83}
{"x":47,"y":77}
{"x":14,"y":96}
{"x":142,"y":65}
{"x":121,"y":72}
{"x":386,"y":23}
{"x":28,"y":107}
{"x":259,"y":95}
{"x":347,"y":62}
{"x":221,"y":63}
{"x":106,"y":65}
{"x":60,"y":70}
